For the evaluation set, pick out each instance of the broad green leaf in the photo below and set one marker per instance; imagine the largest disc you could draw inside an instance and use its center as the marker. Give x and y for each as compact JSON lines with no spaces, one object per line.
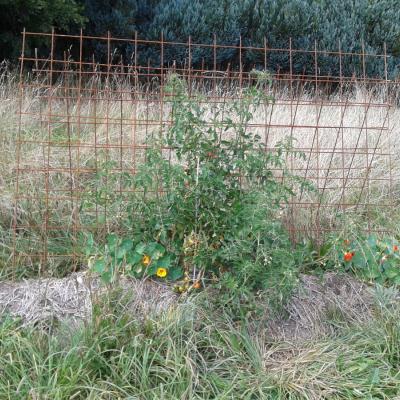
{"x":112,"y":240}
{"x":133,"y":258}
{"x":396,"y":280}
{"x":123,"y":248}
{"x":152,"y":269}
{"x":359,"y":260}
{"x":137,"y":271}
{"x":175,"y":273}
{"x":140,"y":248}
{"x":99,"y":266}
{"x":155,"y":250}
{"x":164,"y":262}
{"x":120,"y":253}
{"x":391,"y":272}
{"x":127,"y":244}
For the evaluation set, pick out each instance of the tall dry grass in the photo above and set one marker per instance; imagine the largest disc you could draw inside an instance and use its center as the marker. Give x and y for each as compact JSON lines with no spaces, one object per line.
{"x":352,"y":165}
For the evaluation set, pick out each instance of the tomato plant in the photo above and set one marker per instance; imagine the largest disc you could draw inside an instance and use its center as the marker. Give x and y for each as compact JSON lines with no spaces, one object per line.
{"x":216,"y":192}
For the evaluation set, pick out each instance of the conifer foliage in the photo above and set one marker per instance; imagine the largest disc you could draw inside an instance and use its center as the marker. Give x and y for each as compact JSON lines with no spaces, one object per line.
{"x":327,"y":24}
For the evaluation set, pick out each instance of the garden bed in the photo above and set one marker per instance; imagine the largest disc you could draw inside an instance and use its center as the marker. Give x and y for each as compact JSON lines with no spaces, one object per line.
{"x":317,"y":305}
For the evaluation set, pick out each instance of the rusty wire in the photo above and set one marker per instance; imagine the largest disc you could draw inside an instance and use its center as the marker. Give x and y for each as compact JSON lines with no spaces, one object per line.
{"x":88,"y":112}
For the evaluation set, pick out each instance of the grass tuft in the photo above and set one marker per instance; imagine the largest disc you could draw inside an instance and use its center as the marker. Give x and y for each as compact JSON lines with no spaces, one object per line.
{"x":193,"y":352}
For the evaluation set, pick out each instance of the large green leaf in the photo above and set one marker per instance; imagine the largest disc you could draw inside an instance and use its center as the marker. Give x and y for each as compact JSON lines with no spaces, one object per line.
{"x":396,"y":280}
{"x":127,"y":244}
{"x":112,"y":240}
{"x":133,"y":258}
{"x":152,"y":269}
{"x":359,"y":260}
{"x":123,"y":248}
{"x":155,"y":250}
{"x":137,"y":271}
{"x":175,"y":273}
{"x":140,"y":248}
{"x":99,"y":266}
{"x":164,"y":262}
{"x":391,"y":271}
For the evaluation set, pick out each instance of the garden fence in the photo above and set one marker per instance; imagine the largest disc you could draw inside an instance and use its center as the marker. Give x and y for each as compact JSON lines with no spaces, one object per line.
{"x":85,"y":122}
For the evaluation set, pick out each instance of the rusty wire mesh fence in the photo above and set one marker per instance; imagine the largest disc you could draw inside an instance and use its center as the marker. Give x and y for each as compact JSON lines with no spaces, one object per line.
{"x":87,"y":123}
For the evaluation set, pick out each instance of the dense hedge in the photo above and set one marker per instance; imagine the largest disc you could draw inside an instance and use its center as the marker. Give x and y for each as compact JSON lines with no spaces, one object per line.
{"x":352,"y":22}
{"x":35,"y":16}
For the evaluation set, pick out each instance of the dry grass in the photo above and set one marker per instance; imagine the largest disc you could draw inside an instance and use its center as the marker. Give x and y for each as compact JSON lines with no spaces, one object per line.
{"x":313,"y":311}
{"x":70,"y":300}
{"x":302,"y":112}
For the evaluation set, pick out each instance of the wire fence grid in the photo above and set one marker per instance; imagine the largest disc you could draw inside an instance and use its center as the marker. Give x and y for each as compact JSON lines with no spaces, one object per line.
{"x":91,"y":115}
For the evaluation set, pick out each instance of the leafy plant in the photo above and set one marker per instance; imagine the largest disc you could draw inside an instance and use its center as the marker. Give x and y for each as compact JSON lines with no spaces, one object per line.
{"x":211,"y":209}
{"x":373,"y":258}
{"x":124,"y":255}
{"x":376,"y":259}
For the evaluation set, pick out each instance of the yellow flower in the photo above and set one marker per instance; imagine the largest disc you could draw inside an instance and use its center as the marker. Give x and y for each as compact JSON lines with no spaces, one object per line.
{"x":146,"y":260}
{"x":161,"y":272}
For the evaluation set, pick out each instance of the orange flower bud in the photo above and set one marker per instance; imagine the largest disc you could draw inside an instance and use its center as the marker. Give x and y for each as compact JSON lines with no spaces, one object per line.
{"x":146,"y":260}
{"x":348,"y":256}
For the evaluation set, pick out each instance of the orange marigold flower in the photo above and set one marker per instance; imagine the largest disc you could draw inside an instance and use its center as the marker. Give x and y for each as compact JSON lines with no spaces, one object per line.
{"x":348,"y":256}
{"x":395,"y":248}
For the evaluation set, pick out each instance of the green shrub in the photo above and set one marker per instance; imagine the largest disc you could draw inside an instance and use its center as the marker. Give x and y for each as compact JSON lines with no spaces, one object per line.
{"x":210,"y":210}
{"x":352,"y":23}
{"x":373,"y":258}
{"x":356,"y":23}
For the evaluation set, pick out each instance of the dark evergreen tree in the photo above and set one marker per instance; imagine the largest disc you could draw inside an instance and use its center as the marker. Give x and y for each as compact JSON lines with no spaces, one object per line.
{"x":35,"y":16}
{"x":351,"y":24}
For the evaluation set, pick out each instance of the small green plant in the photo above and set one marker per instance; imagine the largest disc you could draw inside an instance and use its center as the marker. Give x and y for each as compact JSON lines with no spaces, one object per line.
{"x":373,"y":258}
{"x":125,"y":256}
